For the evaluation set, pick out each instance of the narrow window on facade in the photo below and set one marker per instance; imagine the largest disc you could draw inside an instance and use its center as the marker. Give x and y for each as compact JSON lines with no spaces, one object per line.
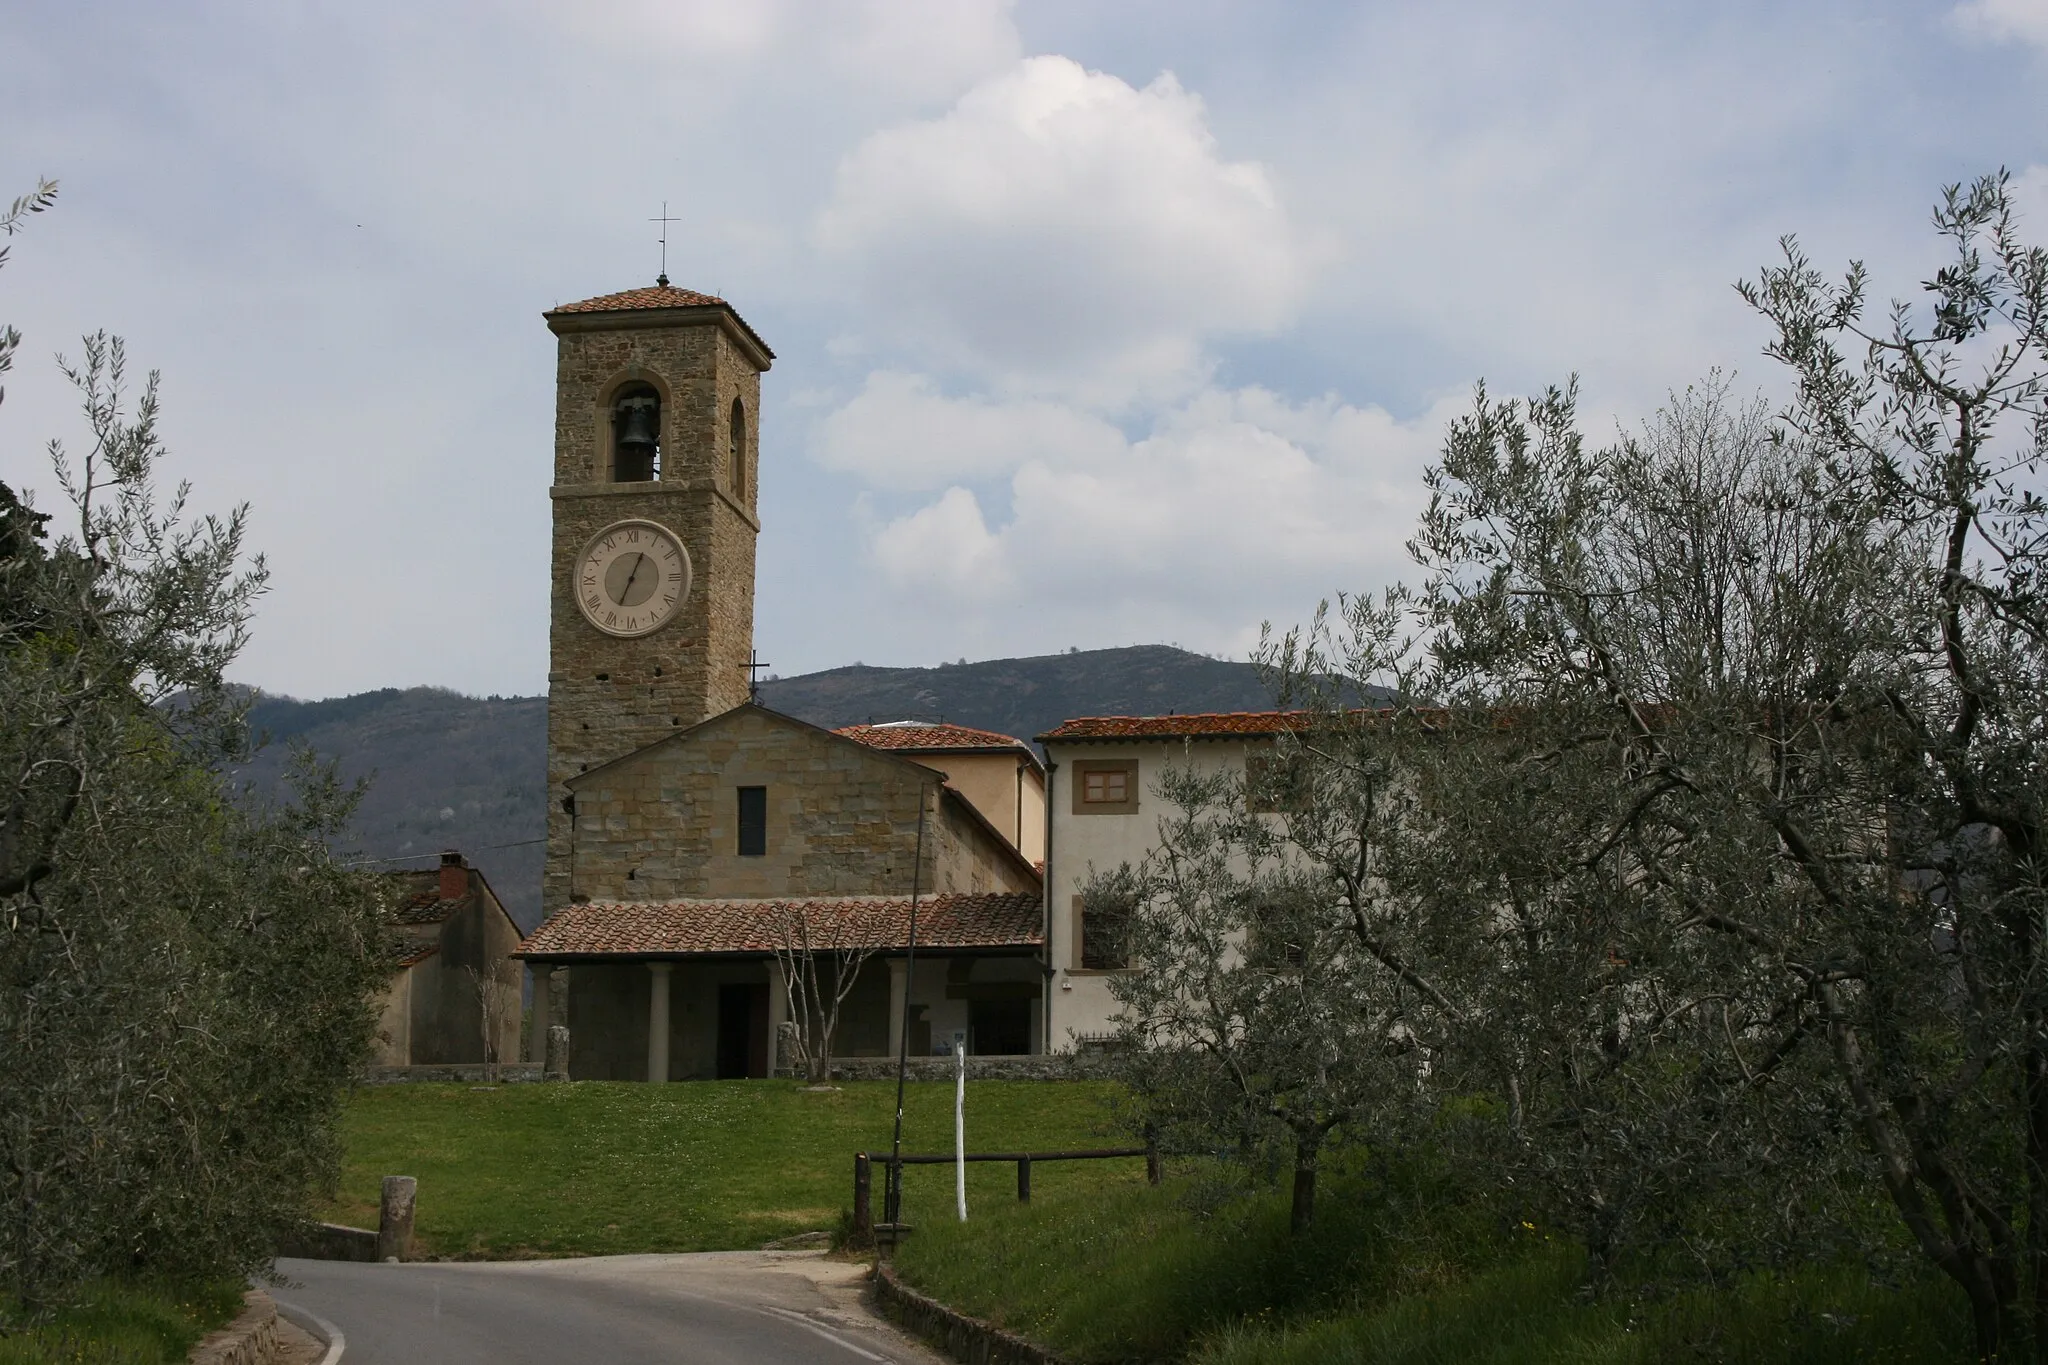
{"x":753,"y":822}
{"x":736,"y":453}
{"x":1275,"y":940}
{"x":1104,"y":936}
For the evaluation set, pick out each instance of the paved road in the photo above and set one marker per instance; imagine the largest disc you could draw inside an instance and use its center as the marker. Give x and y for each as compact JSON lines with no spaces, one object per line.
{"x":760,"y":1308}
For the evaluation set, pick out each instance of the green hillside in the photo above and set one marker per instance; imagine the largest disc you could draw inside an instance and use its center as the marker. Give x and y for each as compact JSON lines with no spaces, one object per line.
{"x":449,"y":771}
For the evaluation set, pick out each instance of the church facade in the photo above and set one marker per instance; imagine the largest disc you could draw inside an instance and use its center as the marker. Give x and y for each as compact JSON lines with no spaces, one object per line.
{"x":689,"y":829}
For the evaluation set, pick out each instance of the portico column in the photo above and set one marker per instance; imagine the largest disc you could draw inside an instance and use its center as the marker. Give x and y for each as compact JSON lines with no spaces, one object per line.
{"x":537,"y":1026}
{"x":899,"y":990}
{"x":657,"y":1020}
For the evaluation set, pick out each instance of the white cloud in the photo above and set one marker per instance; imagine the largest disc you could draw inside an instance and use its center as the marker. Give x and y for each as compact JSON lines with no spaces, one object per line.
{"x":915,"y":49}
{"x":900,"y":432}
{"x":1060,"y":232}
{"x":2024,"y":21}
{"x":2029,"y":194}
{"x":1238,"y":505}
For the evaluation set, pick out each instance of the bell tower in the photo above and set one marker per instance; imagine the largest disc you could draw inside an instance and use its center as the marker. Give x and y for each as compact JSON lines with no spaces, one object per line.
{"x":651,"y":583}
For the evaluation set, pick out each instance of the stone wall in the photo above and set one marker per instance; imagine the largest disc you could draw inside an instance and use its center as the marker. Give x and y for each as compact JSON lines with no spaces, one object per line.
{"x":509,"y":1073}
{"x":965,"y":1339}
{"x":842,"y":820}
{"x":1051,"y":1066}
{"x":251,"y":1339}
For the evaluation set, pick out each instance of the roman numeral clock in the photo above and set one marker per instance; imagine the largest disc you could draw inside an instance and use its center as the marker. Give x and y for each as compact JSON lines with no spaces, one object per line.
{"x":631,"y":578}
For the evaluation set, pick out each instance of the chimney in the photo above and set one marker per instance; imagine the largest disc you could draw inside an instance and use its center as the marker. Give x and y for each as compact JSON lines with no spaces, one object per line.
{"x":454,"y":877}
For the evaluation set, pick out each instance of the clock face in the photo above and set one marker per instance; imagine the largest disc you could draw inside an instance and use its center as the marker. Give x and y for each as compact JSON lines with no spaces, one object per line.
{"x":631,"y":578}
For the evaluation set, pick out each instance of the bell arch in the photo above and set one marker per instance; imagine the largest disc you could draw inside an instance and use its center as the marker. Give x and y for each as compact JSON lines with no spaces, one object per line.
{"x":635,"y":421}
{"x":633,"y":381}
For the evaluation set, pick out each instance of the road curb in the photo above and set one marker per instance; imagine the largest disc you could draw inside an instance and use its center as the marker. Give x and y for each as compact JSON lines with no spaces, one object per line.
{"x":317,"y":1327}
{"x":251,"y":1339}
{"x":965,"y":1339}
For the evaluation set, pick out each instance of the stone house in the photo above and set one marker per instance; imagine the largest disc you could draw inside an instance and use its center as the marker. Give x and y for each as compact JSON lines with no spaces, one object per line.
{"x":447,"y":924}
{"x":1104,"y":813}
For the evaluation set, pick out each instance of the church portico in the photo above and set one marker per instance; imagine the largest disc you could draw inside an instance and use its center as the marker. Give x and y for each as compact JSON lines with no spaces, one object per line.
{"x":694,"y":990}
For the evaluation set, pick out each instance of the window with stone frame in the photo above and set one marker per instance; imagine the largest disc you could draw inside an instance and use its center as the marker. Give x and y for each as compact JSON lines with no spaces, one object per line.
{"x":1276,"y":936}
{"x":753,"y":822}
{"x":1104,"y":932}
{"x":1105,"y":786}
{"x":1277,"y":783}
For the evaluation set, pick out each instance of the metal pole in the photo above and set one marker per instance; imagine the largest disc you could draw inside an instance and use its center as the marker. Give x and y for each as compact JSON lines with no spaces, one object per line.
{"x":892,"y":1199}
{"x":960,"y":1126}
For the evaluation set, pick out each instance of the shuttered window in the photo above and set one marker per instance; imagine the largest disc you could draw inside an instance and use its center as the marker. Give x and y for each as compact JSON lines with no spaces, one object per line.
{"x":753,"y":822}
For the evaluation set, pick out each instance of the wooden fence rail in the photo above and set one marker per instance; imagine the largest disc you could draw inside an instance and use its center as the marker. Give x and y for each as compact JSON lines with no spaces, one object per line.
{"x":864,"y":1225}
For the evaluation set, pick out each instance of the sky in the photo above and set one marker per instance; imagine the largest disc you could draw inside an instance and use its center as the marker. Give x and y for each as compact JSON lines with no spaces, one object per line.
{"x":1096,"y":324}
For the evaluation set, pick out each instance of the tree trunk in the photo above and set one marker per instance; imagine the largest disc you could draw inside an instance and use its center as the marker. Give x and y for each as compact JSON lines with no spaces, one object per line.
{"x":2035,"y":1090}
{"x":1303,"y":1212}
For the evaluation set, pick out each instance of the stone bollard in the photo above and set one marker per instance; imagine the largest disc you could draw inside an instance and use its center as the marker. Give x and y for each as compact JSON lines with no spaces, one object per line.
{"x":557,"y":1068}
{"x":863,"y":1200}
{"x":394,"y":1218}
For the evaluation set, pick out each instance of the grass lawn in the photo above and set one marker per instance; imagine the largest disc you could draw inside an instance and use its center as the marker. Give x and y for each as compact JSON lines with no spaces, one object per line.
{"x":1387,"y":1277}
{"x":123,"y":1324}
{"x":594,"y":1168}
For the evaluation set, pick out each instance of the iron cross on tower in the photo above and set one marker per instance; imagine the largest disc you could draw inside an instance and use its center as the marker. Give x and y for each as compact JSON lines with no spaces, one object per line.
{"x":664,"y":220}
{"x":754,"y":667}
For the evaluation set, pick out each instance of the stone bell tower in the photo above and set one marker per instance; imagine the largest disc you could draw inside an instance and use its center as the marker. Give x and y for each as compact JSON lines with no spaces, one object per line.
{"x":651,"y":584}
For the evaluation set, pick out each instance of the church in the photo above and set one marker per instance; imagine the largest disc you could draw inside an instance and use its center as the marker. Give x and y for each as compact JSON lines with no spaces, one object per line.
{"x":688,"y":827}
{"x":692,"y":834}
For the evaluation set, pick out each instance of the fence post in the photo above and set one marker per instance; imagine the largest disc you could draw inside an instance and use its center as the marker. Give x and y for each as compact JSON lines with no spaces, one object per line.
{"x":1023,"y":1179}
{"x":863,"y":1207}
{"x":1151,"y":1164}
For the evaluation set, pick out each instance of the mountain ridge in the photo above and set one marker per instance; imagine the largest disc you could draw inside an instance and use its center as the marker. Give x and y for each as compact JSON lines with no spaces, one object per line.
{"x":447,"y":770}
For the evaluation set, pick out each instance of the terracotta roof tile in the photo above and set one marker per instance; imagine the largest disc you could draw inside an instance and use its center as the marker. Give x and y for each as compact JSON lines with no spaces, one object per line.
{"x":916,"y":737}
{"x":654,"y":296}
{"x":427,"y":907}
{"x":1221,"y":724}
{"x":658,"y":296}
{"x":405,"y":952}
{"x":681,"y":927}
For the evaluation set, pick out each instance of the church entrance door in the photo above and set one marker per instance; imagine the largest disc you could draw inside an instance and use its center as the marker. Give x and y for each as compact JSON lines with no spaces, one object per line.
{"x":742,"y":1030}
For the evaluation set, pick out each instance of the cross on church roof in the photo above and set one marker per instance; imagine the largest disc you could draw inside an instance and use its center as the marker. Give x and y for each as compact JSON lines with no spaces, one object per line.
{"x":754,"y":667}
{"x":664,"y":220}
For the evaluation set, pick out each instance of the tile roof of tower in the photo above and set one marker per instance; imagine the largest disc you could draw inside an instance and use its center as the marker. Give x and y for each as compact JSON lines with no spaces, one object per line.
{"x":683,"y":928}
{"x":653,"y":296}
{"x":662,"y":295}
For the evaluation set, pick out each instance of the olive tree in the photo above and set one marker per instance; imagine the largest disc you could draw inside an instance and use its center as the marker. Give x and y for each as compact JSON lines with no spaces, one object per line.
{"x":185,"y":982}
{"x":1253,"y":1023}
{"x":1738,"y":793}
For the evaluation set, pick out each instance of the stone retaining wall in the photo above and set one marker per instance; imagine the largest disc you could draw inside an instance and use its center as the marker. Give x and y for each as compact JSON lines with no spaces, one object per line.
{"x":511,"y":1073}
{"x":965,"y":1339}
{"x":251,"y":1339}
{"x":331,"y":1242}
{"x":1051,"y":1066}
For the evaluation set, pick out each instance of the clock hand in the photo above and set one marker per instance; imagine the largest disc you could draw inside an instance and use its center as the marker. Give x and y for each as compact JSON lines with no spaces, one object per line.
{"x":638,"y":560}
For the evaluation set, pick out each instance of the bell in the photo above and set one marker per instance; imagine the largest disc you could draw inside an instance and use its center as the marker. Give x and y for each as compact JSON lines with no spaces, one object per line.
{"x":638,"y":422}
